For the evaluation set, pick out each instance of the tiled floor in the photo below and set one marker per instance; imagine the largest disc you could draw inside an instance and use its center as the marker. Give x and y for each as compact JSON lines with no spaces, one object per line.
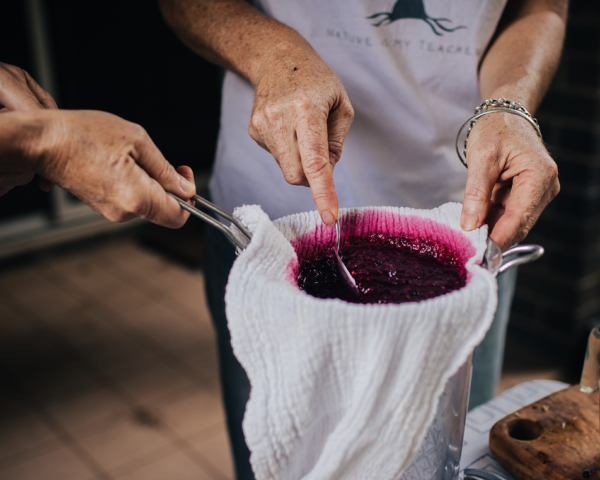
{"x":108,"y":370}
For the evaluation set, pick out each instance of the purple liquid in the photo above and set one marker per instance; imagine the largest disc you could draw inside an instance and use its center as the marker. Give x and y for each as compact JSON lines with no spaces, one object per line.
{"x":387,"y":269}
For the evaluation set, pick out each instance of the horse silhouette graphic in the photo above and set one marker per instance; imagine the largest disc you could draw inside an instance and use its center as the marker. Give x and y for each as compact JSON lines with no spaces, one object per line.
{"x":412,"y":9}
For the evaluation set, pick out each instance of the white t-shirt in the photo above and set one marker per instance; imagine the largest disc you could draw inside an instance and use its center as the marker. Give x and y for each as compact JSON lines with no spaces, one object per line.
{"x":411,"y":82}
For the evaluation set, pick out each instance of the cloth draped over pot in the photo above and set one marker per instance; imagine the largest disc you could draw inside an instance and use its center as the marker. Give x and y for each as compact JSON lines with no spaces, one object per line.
{"x":340,"y":390}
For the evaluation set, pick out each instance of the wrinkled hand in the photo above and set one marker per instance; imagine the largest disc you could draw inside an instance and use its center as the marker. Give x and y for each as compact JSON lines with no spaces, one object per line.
{"x":301,"y":115}
{"x":19,"y":91}
{"x":511,"y":178}
{"x":111,"y":165}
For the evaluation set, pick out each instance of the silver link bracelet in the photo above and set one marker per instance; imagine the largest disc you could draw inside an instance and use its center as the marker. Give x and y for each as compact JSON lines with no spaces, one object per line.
{"x":492,"y":106}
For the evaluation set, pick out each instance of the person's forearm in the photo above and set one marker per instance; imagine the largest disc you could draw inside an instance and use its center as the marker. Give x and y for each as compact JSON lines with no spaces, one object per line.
{"x":235,"y":35}
{"x":20,"y":134}
{"x":301,"y":112}
{"x":525,"y":52}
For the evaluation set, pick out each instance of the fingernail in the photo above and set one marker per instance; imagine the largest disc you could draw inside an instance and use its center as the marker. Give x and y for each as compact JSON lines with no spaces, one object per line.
{"x":328,"y":219}
{"x":469,"y":221}
{"x":187,"y":186}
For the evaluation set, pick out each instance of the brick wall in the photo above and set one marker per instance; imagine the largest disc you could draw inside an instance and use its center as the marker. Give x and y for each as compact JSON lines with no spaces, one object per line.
{"x":558,"y":298}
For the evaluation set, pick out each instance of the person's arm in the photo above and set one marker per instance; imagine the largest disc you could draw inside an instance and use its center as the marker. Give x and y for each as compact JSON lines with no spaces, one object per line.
{"x":110,"y":164}
{"x":512,"y":178}
{"x":301,"y":112}
{"x":18,"y":92}
{"x":107,"y":162}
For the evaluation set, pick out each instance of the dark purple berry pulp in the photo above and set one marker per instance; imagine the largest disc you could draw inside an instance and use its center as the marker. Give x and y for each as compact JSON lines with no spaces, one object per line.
{"x":389,"y":267}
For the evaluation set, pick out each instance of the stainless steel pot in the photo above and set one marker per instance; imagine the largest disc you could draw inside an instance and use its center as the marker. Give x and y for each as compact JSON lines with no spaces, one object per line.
{"x":494,"y":259}
{"x":439,"y":455}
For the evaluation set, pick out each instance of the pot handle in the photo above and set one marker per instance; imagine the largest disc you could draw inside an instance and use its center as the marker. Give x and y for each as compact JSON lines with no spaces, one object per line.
{"x":522,"y":254}
{"x":496,"y":261}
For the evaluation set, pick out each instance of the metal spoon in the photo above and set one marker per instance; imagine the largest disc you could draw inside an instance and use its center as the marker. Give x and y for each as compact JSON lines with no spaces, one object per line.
{"x":215,"y":223}
{"x":346,"y":275}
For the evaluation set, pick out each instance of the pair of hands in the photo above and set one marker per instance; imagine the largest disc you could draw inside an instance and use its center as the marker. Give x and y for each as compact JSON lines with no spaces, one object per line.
{"x":302,"y":114}
{"x":110,"y":164}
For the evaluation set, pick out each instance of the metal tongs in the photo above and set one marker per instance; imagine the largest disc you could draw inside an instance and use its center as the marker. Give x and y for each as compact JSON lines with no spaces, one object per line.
{"x":494,"y":259}
{"x":241,"y":245}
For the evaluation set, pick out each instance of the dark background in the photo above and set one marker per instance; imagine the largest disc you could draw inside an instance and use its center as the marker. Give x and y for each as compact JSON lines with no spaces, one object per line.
{"x":121,"y":57}
{"x":557,"y":300}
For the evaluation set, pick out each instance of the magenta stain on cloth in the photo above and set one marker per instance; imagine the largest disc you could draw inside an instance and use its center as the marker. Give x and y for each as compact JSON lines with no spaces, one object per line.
{"x":393,"y":258}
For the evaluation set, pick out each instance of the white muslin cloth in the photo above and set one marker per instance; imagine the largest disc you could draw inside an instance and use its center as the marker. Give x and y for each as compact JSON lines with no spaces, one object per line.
{"x":340,"y":390}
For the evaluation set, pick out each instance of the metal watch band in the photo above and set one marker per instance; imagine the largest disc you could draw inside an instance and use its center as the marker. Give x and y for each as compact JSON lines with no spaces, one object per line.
{"x":500,"y":105}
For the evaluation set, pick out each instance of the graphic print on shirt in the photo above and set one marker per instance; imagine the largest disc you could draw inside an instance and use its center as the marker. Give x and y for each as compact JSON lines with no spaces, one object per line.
{"x":412,"y":9}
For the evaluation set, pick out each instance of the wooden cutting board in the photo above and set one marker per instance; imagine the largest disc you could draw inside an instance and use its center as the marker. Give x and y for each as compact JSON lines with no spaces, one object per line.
{"x":555,"y":438}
